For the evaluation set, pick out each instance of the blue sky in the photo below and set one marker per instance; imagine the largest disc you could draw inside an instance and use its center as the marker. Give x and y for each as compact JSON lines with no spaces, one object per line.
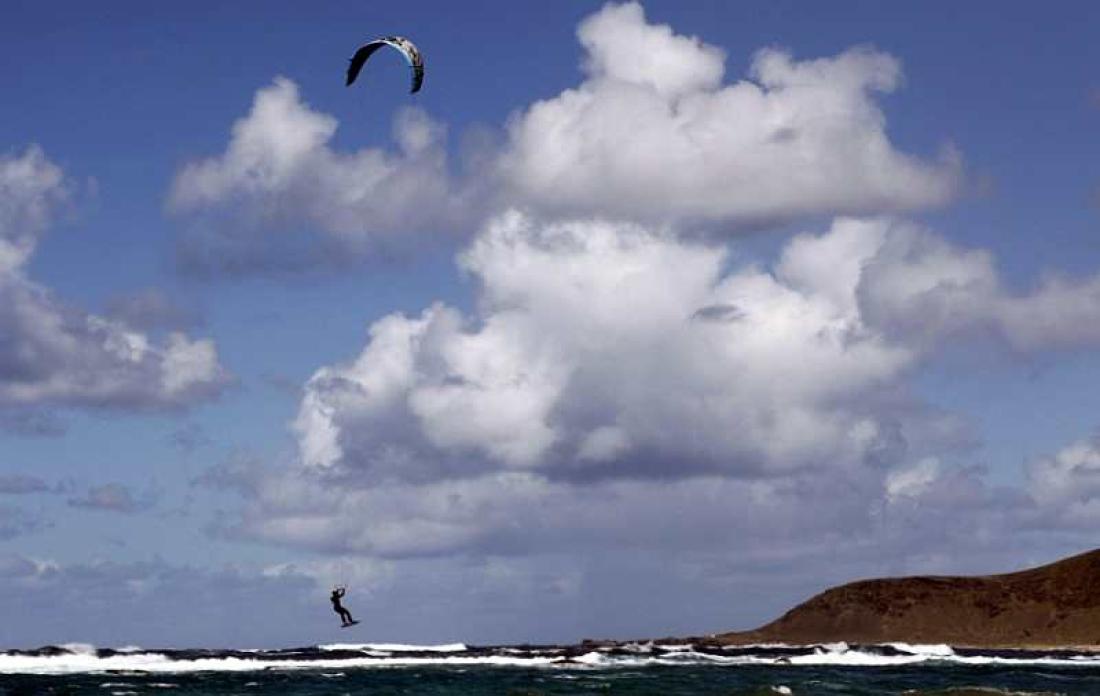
{"x":493,"y":321}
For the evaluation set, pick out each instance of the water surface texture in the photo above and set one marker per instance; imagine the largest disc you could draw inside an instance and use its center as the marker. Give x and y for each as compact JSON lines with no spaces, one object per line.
{"x":535,"y":670}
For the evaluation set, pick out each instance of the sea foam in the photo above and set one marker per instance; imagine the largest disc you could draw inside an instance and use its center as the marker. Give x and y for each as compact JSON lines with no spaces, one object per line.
{"x":395,"y":647}
{"x":335,"y":657}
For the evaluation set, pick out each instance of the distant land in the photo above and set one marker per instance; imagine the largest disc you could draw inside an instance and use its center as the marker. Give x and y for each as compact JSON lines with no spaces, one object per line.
{"x":1052,"y":606}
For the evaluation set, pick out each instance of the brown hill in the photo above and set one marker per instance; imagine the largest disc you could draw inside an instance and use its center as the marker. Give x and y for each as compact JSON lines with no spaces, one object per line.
{"x":1051,"y":606}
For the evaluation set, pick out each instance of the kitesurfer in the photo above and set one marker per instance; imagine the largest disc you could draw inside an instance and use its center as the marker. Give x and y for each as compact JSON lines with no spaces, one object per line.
{"x":408,"y":49}
{"x":345,"y":615}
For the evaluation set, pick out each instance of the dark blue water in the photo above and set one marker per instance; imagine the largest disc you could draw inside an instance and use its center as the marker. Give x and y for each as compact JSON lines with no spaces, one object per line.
{"x":658,"y":680}
{"x":641,"y":669}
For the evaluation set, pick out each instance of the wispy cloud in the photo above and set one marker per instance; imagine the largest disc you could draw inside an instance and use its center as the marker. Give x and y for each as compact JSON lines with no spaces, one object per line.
{"x":150,"y":309}
{"x":17,"y":521}
{"x":30,"y":421}
{"x":16,"y":484}
{"x":189,"y":437}
{"x":109,"y":603}
{"x":112,"y":497}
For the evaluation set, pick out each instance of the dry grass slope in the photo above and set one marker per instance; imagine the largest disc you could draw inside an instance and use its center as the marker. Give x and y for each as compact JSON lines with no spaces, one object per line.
{"x":1056,"y":605}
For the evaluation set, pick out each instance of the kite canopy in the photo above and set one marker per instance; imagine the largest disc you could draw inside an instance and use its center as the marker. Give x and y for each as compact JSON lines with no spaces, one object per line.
{"x":407,"y":48}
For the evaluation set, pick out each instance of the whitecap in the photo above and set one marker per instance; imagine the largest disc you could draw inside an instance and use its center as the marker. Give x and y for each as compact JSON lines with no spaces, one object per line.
{"x":939,"y":650}
{"x":79,"y":648}
{"x":85,"y":660}
{"x":395,"y":647}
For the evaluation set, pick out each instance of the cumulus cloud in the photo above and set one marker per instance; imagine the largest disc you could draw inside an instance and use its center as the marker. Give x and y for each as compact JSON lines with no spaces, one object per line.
{"x":52,"y":354}
{"x":614,"y":372}
{"x":620,"y":391}
{"x":590,"y":349}
{"x":281,"y":197}
{"x":921,"y":289}
{"x":1061,"y":313}
{"x":1066,"y":484}
{"x":620,"y":387}
{"x":652,"y":133}
{"x":597,"y":341}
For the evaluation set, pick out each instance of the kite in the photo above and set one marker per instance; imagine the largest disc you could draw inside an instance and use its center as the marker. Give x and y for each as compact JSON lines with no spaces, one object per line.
{"x":407,"y":48}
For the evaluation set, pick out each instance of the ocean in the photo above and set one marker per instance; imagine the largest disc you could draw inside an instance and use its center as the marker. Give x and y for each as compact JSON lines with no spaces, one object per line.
{"x":642,"y":668}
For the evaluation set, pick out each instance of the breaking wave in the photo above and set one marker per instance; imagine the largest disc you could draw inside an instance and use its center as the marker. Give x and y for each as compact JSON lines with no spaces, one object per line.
{"x":80,"y":658}
{"x":395,"y":647}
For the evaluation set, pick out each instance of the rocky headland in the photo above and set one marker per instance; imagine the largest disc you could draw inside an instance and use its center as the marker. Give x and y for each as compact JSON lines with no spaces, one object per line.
{"x":1049,"y":607}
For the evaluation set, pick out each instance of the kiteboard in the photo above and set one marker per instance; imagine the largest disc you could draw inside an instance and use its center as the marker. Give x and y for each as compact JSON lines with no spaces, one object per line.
{"x":348,"y":624}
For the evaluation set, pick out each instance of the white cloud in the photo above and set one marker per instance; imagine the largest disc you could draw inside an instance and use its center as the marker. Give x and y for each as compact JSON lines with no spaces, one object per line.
{"x":913,"y":481}
{"x":52,"y":354}
{"x":31,"y":188}
{"x":620,"y":388}
{"x":922,"y":289}
{"x":524,"y":513}
{"x":590,"y":343}
{"x":614,"y":366}
{"x":1066,"y":485}
{"x":652,"y":134}
{"x":1060,"y":313}
{"x":280,"y":195}
{"x":606,"y":361}
{"x":621,"y":46}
